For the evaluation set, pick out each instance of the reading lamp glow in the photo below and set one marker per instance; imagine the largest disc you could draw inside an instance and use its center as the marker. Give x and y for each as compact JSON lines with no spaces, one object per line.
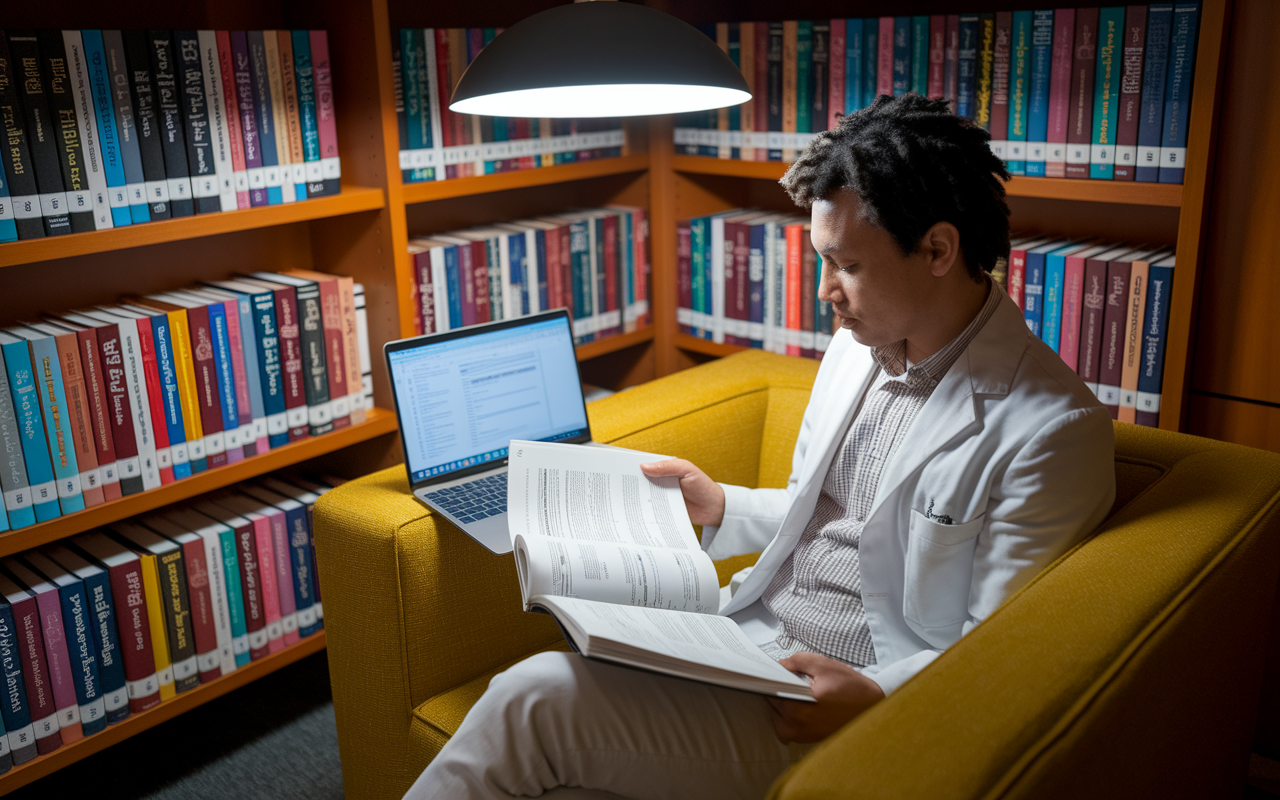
{"x":598,"y":60}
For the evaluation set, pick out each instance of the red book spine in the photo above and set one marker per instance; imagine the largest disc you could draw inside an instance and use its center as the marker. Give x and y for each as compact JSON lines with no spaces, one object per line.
{"x":1064,"y":24}
{"x":100,"y":408}
{"x":424,"y":310}
{"x":1111,"y":362}
{"x":155,"y":399}
{"x":80,"y":412}
{"x":202,"y":625}
{"x":760,"y":108}
{"x":1072,"y":308}
{"x":835,"y":74}
{"x":231,"y":102}
{"x":135,"y":635}
{"x":1091,"y":319}
{"x":255,"y":617}
{"x":331,"y":319}
{"x":937,"y":54}
{"x":566,"y":270}
{"x":416,"y":305}
{"x":551,"y":262}
{"x":794,"y":305}
{"x":1130,"y":110}
{"x":120,"y":409}
{"x":206,"y":384}
{"x":480,"y":279}
{"x":468,"y":284}
{"x":884,"y":57}
{"x":291,"y":358}
{"x":1017,"y":282}
{"x":267,"y":582}
{"x":35,"y":671}
{"x":611,"y":275}
{"x":1000,"y":83}
{"x":808,"y":293}
{"x":640,"y":238}
{"x":240,"y":378}
{"x":684,"y":277}
{"x":738,"y":302}
{"x":326,"y":125}
{"x":1080,"y":115}
{"x":443,"y":91}
{"x":951,"y":66}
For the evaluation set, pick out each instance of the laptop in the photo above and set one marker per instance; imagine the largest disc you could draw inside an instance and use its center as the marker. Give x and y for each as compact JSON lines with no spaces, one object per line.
{"x":463,"y":395}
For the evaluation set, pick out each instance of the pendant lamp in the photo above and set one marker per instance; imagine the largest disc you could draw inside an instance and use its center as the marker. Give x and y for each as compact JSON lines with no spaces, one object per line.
{"x":599,"y":59}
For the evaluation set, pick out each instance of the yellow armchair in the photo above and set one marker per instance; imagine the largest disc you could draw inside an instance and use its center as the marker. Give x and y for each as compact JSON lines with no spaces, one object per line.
{"x":1132,"y":666}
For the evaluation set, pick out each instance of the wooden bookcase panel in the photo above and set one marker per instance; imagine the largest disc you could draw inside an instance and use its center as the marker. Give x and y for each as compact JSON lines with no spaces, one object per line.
{"x":1157,"y":225}
{"x":545,"y":178}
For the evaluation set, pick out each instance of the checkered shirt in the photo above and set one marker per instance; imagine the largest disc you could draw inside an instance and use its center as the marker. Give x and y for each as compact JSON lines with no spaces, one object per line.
{"x":817,"y":593}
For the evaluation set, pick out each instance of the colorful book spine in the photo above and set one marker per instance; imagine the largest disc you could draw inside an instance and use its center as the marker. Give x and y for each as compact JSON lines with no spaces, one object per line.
{"x":235,"y":535}
{"x":1060,"y":77}
{"x":264,"y":113}
{"x":951,"y":66}
{"x":919,"y":71}
{"x":1177,"y":97}
{"x":1131,"y":340}
{"x":57,"y":656}
{"x":162,"y":338}
{"x":231,"y":107}
{"x":984,"y":91}
{"x":1080,"y":116}
{"x":937,"y":77}
{"x":267,"y":341}
{"x":1151,"y":110}
{"x":18,"y":168}
{"x":217,"y":113}
{"x":119,"y":404}
{"x":309,"y":112}
{"x":41,"y":136}
{"x":47,"y":374}
{"x":126,"y":127}
{"x":1039,"y":92}
{"x":224,"y":380}
{"x":100,"y":411}
{"x":1129,"y":111}
{"x":330,"y":164}
{"x":901,"y":56}
{"x":245,"y":103}
{"x":20,"y":733}
{"x":42,"y":708}
{"x":292,"y":548}
{"x":1073,"y":306}
{"x":173,"y":139}
{"x":1112,"y":345}
{"x":967,"y":66}
{"x":837,"y":64}
{"x":59,"y":85}
{"x":18,"y":501}
{"x":150,"y":137}
{"x":139,"y":401}
{"x":1033,"y":290}
{"x":1020,"y":67}
{"x":26,"y":404}
{"x":1001,"y":84}
{"x":154,"y":395}
{"x":1155,"y":327}
{"x":280,"y":116}
{"x":853,"y":65}
{"x":1106,"y":92}
{"x":108,"y":135}
{"x":884,"y":59}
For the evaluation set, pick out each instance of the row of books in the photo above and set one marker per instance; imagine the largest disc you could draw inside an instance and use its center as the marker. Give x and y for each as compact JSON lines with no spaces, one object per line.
{"x":109,"y":401}
{"x":1072,"y":92}
{"x":436,"y":143}
{"x":112,"y":128}
{"x":115,"y":621}
{"x":1103,"y":307}
{"x":593,"y":262}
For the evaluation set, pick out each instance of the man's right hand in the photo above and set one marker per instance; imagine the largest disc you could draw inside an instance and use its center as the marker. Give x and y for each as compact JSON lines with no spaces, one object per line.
{"x":703,"y":496}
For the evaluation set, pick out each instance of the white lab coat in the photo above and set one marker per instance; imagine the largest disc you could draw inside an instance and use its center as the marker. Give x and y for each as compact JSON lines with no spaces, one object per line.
{"x":1011,"y":445}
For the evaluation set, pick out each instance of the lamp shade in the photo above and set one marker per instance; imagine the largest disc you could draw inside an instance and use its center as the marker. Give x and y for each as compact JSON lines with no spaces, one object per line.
{"x":598,"y":59}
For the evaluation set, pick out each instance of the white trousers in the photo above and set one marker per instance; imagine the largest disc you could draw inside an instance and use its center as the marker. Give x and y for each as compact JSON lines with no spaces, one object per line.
{"x":563,"y":726}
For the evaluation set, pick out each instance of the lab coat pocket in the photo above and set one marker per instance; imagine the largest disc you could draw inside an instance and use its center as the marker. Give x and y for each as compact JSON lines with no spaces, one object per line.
{"x":939,"y":572}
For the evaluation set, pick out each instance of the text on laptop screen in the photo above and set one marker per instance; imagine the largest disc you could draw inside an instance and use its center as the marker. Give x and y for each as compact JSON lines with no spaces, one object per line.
{"x":463,"y":400}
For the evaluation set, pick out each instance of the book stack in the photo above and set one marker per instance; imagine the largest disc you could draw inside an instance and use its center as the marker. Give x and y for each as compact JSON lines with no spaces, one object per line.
{"x":1100,"y":93}
{"x":112,"y":400}
{"x":1103,"y":307}
{"x":112,"y":128}
{"x":594,"y":263}
{"x":436,"y":143}
{"x":114,"y":621}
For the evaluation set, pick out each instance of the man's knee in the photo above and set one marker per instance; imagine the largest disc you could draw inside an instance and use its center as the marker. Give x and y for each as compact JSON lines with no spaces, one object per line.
{"x":542,"y":683}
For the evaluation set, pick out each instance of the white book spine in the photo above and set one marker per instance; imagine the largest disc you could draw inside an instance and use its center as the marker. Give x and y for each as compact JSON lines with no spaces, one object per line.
{"x":440,"y":286}
{"x":531,"y":259}
{"x":136,"y":383}
{"x":510,"y":300}
{"x":87,"y":123}
{"x":219,"y":130}
{"x":717,"y":245}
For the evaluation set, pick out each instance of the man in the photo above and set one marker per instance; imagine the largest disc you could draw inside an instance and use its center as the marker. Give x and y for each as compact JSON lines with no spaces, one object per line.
{"x":945,"y":458}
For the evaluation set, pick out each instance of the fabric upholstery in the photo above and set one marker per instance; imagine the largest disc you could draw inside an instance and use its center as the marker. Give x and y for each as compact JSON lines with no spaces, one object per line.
{"x":1132,"y":665}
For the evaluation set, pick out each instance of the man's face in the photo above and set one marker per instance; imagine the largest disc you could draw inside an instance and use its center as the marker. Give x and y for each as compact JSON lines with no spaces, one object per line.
{"x":879,"y":295}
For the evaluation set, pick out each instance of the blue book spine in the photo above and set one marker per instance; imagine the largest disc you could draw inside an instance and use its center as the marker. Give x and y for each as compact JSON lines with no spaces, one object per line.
{"x":106,"y":648}
{"x":1019,"y":91}
{"x":540,"y":254}
{"x":53,"y":401}
{"x":265,"y":118}
{"x":454,"y":284}
{"x":1038,"y":104}
{"x":901,"y":56}
{"x":304,"y":593}
{"x":519,"y":272}
{"x":13,"y":467}
{"x":967,"y":66}
{"x":1177,"y":95}
{"x":235,"y":597}
{"x":1033,"y":292}
{"x":222,"y":369}
{"x":8,"y":223}
{"x":268,"y":344}
{"x":755,"y":273}
{"x":1154,"y":70}
{"x":1055,"y":266}
{"x":173,"y":421}
{"x":78,"y":627}
{"x":307,"y":110}
{"x":108,"y":143}
{"x":4,"y":519}
{"x":1106,"y":92}
{"x":1155,"y":329}
{"x":852,"y":65}
{"x":257,"y":407}
{"x":870,"y":59}
{"x":13,"y":706}
{"x":26,"y":406}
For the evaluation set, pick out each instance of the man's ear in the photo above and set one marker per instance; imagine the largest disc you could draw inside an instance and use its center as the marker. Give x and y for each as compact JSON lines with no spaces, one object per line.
{"x":942,"y":244}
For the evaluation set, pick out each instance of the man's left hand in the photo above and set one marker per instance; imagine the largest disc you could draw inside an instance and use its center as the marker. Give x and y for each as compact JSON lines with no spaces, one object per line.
{"x":841,"y":691}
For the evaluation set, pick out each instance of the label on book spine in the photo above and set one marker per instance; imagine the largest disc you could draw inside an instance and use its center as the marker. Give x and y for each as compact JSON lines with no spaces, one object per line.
{"x":1148,"y":402}
{"x":16,"y":499}
{"x":1172,"y":157}
{"x":69,"y":487}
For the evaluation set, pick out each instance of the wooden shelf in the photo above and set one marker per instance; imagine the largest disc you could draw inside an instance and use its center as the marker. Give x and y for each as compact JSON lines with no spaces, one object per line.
{"x":377,"y":422}
{"x":40,"y":766}
{"x":1127,"y":192}
{"x":480,"y":184}
{"x":614,"y":343}
{"x":351,"y":200}
{"x":693,"y":344}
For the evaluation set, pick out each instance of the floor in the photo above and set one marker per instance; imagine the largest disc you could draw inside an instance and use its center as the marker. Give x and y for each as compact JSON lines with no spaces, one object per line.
{"x":274,"y":738}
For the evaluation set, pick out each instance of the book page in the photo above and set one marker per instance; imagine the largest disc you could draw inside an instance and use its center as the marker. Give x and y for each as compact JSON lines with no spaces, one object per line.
{"x":586,"y":522}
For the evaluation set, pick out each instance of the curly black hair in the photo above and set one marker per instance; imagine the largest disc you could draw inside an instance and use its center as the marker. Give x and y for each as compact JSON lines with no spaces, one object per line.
{"x":913,"y":164}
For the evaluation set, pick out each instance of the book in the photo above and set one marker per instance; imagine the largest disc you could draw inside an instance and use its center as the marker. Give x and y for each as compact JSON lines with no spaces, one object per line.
{"x":1001,"y":86}
{"x":41,"y":136}
{"x":243,"y":77}
{"x":57,"y":656}
{"x":1151,"y":110}
{"x":984,"y":82}
{"x":98,"y":398}
{"x":110,"y":147}
{"x":126,"y":126}
{"x":220,"y":626}
{"x":936,"y":85}
{"x":250,"y":406}
{"x":1106,"y":92}
{"x":41,"y":705}
{"x":173,"y":137}
{"x":901,"y":55}
{"x":967,"y":66}
{"x":218,"y":113}
{"x":147,"y":122}
{"x":18,"y":167}
{"x":1039,"y":91}
{"x":1177,"y":96}
{"x":1060,"y":97}
{"x":47,"y":375}
{"x":621,"y":597}
{"x":258,"y":573}
{"x":1111,"y":356}
{"x":15,"y":710}
{"x":1055,"y":263}
{"x":194,"y":106}
{"x":292,"y":129}
{"x":315,"y":378}
{"x":271,"y":528}
{"x":18,"y":498}
{"x":87,"y":125}
{"x":61,"y":98}
{"x":951,"y":65}
{"x":819,"y":74}
{"x":1081,"y":108}
{"x":291,"y":357}
{"x":326,"y":128}
{"x":1020,"y":44}
{"x":362,"y":340}
{"x":1155,"y":326}
{"x":1073,"y":302}
{"x":244,"y":607}
{"x":26,"y":404}
{"x":100,"y":605}
{"x":1129,"y":110}
{"x":231,"y":108}
{"x":1093,"y":315}
{"x":195,"y":575}
{"x":836,"y":64}
{"x":293,"y":565}
{"x":1131,"y":339}
{"x":280,"y":117}
{"x":229,"y":369}
{"x":166,"y":395}
{"x":273,"y":174}
{"x":124,"y":569}
{"x":919,"y":66}
{"x":1033,"y":289}
{"x":264,"y":342}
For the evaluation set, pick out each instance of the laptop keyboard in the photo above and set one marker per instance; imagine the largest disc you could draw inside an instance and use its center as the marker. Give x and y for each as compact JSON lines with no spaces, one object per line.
{"x":473,"y":501}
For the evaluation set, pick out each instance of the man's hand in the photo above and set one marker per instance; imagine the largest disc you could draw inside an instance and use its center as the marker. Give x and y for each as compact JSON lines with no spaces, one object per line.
{"x":841,"y":691}
{"x":702,"y":495}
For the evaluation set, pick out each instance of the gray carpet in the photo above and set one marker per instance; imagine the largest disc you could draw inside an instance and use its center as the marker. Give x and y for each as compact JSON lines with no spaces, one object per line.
{"x":274,"y":738}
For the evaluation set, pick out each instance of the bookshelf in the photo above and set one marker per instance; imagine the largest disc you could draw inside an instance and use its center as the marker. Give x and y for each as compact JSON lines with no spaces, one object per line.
{"x":363,"y":232}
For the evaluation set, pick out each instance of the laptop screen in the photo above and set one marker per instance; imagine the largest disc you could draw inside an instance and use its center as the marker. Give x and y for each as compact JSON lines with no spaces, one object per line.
{"x":463,"y":397}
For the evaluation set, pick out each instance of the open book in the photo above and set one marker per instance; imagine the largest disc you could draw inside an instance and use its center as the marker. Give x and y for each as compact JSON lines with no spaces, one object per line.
{"x":611,"y":554}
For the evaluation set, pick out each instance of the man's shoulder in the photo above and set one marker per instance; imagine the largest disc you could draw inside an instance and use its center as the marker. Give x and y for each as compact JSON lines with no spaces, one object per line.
{"x":1043,"y":373}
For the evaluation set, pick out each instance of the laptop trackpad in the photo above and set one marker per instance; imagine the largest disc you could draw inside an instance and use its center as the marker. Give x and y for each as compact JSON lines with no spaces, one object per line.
{"x":491,"y":532}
